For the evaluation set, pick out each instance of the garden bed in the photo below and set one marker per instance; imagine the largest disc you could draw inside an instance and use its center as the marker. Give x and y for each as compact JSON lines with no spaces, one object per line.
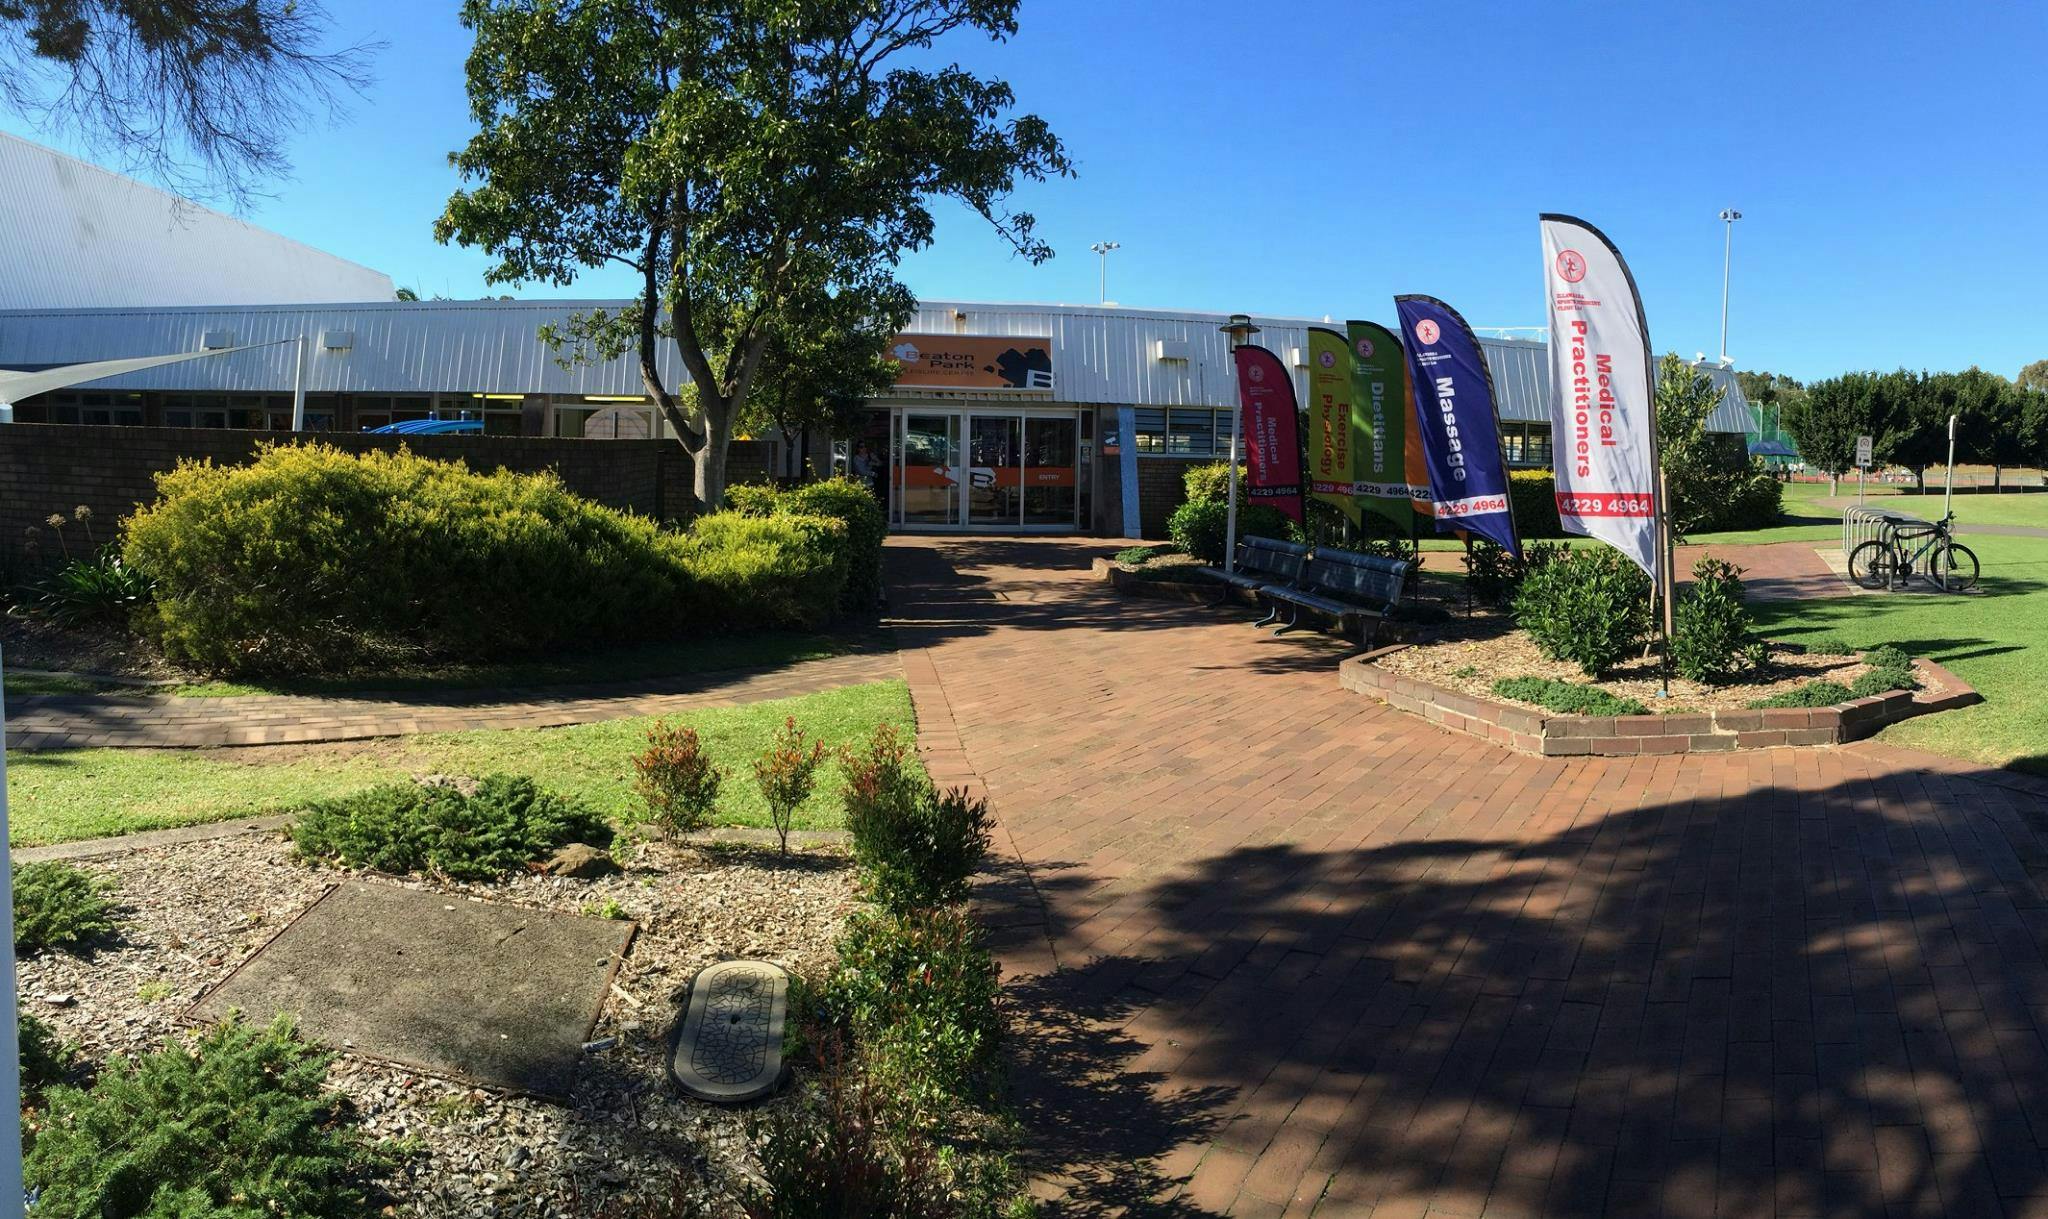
{"x":1712,"y":729}
{"x":1470,"y":654}
{"x":191,"y":913}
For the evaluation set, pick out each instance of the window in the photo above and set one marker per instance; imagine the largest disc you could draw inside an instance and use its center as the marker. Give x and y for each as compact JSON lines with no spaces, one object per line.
{"x":1512,"y":436}
{"x":1192,"y":433}
{"x":1198,"y":431}
{"x":1149,"y":430}
{"x":1539,"y":444}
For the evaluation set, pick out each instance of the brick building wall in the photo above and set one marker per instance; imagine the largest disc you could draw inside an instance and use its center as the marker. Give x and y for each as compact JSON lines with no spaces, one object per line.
{"x":53,"y":468}
{"x":1161,"y":489}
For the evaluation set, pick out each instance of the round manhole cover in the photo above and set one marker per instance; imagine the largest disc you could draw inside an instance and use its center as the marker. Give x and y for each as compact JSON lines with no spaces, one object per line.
{"x":729,"y":1045}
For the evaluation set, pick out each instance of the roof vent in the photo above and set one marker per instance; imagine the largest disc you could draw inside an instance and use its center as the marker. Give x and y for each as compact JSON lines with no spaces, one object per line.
{"x":337,"y":340}
{"x":1170,"y":349}
{"x":215,"y":340}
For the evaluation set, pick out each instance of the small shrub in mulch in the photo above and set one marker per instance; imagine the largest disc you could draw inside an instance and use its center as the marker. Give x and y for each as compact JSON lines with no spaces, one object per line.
{"x":917,"y":846}
{"x":1890,"y":669}
{"x":787,"y":774}
{"x":45,"y":1059}
{"x":676,"y":780}
{"x":237,"y":1123}
{"x":1711,"y":627}
{"x":57,"y":905}
{"x":506,"y":822}
{"x":1566,"y":698}
{"x":1589,"y":607}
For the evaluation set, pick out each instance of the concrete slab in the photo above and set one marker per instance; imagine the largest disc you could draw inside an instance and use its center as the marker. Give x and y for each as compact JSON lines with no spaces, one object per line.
{"x":498,"y":995}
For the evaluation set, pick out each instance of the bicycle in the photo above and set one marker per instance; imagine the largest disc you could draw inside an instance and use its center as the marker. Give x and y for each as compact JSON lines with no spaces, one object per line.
{"x":1941,"y":560}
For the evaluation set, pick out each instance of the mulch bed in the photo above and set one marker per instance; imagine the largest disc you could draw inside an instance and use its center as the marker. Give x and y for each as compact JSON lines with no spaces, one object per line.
{"x":193,"y":912}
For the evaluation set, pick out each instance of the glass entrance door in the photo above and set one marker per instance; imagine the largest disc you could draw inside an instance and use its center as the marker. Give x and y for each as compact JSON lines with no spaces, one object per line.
{"x":1051,"y":466}
{"x":995,"y":465}
{"x":928,"y":469}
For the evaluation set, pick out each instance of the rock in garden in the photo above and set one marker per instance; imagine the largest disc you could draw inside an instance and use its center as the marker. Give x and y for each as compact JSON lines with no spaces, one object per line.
{"x":579,"y":861}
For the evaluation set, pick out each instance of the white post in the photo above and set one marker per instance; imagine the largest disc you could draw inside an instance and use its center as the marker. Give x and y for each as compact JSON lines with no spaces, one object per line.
{"x":1948,"y":498}
{"x":10,"y":1034}
{"x":299,"y":384}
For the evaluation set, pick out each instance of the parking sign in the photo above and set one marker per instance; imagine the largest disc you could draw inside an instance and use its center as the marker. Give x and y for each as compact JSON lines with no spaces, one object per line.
{"x":1863,"y":452}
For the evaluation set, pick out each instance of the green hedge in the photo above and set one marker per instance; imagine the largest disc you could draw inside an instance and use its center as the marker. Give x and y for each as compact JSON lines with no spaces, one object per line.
{"x":1533,"y":496}
{"x":783,"y":571}
{"x":310,"y":559}
{"x":844,"y":500}
{"x":1199,"y":527}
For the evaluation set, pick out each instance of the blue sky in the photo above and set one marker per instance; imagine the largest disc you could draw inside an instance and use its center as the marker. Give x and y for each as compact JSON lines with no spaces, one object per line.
{"x":1315,"y":160}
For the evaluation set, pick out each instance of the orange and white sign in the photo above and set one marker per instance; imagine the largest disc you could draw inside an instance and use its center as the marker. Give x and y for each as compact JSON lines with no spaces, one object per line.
{"x":1004,"y":364}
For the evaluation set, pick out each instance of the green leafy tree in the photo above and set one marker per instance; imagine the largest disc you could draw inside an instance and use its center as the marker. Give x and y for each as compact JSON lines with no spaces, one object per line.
{"x":820,"y":365}
{"x":747,"y":160}
{"x":1912,"y":431}
{"x":1770,"y":394}
{"x":2033,"y":377}
{"x":1700,"y":468}
{"x":1836,"y":411}
{"x":1990,"y":423}
{"x":202,"y":95}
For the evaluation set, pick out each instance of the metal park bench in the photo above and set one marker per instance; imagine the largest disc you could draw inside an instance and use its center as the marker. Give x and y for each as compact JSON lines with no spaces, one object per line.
{"x":1263,"y":563}
{"x":1345,"y":586}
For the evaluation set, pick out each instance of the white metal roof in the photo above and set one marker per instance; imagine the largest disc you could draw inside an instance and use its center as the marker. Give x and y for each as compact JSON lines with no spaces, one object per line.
{"x":1101,"y":354}
{"x":75,"y":235}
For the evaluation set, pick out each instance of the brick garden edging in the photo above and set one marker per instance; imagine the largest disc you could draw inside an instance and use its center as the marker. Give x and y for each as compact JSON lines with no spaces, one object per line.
{"x":1692,"y":732}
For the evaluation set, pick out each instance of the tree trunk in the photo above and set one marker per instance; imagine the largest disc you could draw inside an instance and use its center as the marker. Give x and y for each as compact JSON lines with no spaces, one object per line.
{"x":1920,"y":479}
{"x":1834,"y":485}
{"x":709,"y":472}
{"x":1997,"y":484}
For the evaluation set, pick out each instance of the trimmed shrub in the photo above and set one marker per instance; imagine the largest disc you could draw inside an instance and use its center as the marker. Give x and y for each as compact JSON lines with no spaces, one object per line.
{"x":1566,"y":698}
{"x":1198,"y":527}
{"x":1753,"y":501}
{"x":856,"y":507}
{"x":1494,"y":576}
{"x":310,"y":559}
{"x":837,"y":1152}
{"x":1532,"y":495}
{"x":1138,"y":556}
{"x":1210,"y":484}
{"x":918,"y":846}
{"x":505,"y":823}
{"x":677,"y":782}
{"x":1590,"y":607}
{"x":57,"y":905}
{"x":1820,"y":693}
{"x":917,"y":992}
{"x":775,"y":571}
{"x":235,"y":1124}
{"x":751,"y":499}
{"x":1710,"y":626}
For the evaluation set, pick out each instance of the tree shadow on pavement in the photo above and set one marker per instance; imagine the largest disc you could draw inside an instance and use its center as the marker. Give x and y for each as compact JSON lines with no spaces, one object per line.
{"x":1826,"y":1001}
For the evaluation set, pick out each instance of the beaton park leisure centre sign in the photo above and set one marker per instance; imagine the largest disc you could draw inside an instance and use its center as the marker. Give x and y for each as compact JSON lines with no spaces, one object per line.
{"x":975,"y":362}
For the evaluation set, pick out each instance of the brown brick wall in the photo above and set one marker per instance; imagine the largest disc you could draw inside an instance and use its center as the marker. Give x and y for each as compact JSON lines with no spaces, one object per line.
{"x":1161,"y":489}
{"x":46,"y":468}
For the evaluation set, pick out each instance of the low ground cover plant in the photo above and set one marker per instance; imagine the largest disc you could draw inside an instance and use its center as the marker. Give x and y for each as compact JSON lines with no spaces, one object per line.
{"x":1589,"y":607}
{"x":45,"y":1059}
{"x":57,"y":905}
{"x":676,"y":780}
{"x":1821,"y":692}
{"x":1567,"y":698}
{"x":504,"y":823}
{"x":102,"y":590}
{"x":1890,"y":669}
{"x":916,"y":846}
{"x":236,"y":1123}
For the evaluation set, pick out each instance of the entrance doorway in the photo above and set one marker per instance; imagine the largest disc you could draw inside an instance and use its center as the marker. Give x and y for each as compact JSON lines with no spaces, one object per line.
{"x":985,"y":470}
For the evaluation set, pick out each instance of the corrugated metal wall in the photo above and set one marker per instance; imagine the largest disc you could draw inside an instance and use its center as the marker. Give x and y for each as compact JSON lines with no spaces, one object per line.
{"x":73,"y":235}
{"x":1100,"y":355}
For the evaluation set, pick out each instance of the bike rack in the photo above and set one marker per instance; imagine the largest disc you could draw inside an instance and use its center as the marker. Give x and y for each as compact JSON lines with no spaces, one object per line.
{"x":1862,"y":524}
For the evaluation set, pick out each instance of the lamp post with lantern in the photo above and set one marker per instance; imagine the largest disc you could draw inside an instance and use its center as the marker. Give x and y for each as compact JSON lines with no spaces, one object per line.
{"x":1240,"y":330}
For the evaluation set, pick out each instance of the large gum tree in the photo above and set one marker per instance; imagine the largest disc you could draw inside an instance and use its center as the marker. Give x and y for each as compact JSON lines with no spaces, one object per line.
{"x":755,"y":162}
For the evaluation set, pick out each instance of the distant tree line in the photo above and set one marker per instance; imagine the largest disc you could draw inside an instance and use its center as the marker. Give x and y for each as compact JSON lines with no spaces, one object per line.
{"x":1999,"y":422}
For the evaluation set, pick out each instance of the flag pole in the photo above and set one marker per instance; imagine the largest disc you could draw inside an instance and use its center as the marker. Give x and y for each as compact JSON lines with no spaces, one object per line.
{"x":1240,"y":330}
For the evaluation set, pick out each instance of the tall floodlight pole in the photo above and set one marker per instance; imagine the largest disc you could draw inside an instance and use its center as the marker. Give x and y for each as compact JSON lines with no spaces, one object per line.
{"x":1240,"y":330}
{"x":1102,"y":249}
{"x":1728,"y":218}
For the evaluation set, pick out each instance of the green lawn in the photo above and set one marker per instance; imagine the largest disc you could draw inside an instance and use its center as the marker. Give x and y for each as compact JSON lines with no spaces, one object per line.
{"x":1998,"y":642}
{"x":22,"y":685}
{"x":670,"y":659}
{"x":57,"y":797}
{"x":2030,"y":510}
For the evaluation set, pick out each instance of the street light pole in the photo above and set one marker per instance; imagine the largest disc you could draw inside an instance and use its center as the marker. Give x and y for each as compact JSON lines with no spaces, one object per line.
{"x":1102,"y":249}
{"x":1728,"y":218}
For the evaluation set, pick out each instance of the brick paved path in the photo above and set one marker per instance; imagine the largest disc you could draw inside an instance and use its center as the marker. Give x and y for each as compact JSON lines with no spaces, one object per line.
{"x":62,"y":721}
{"x":1277,"y":950}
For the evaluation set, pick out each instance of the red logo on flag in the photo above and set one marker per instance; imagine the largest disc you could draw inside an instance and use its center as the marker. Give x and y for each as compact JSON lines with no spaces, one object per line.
{"x":1427,"y":331}
{"x":1258,"y":373}
{"x":1326,"y":359}
{"x":1365,"y":349}
{"x":1571,"y":265}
